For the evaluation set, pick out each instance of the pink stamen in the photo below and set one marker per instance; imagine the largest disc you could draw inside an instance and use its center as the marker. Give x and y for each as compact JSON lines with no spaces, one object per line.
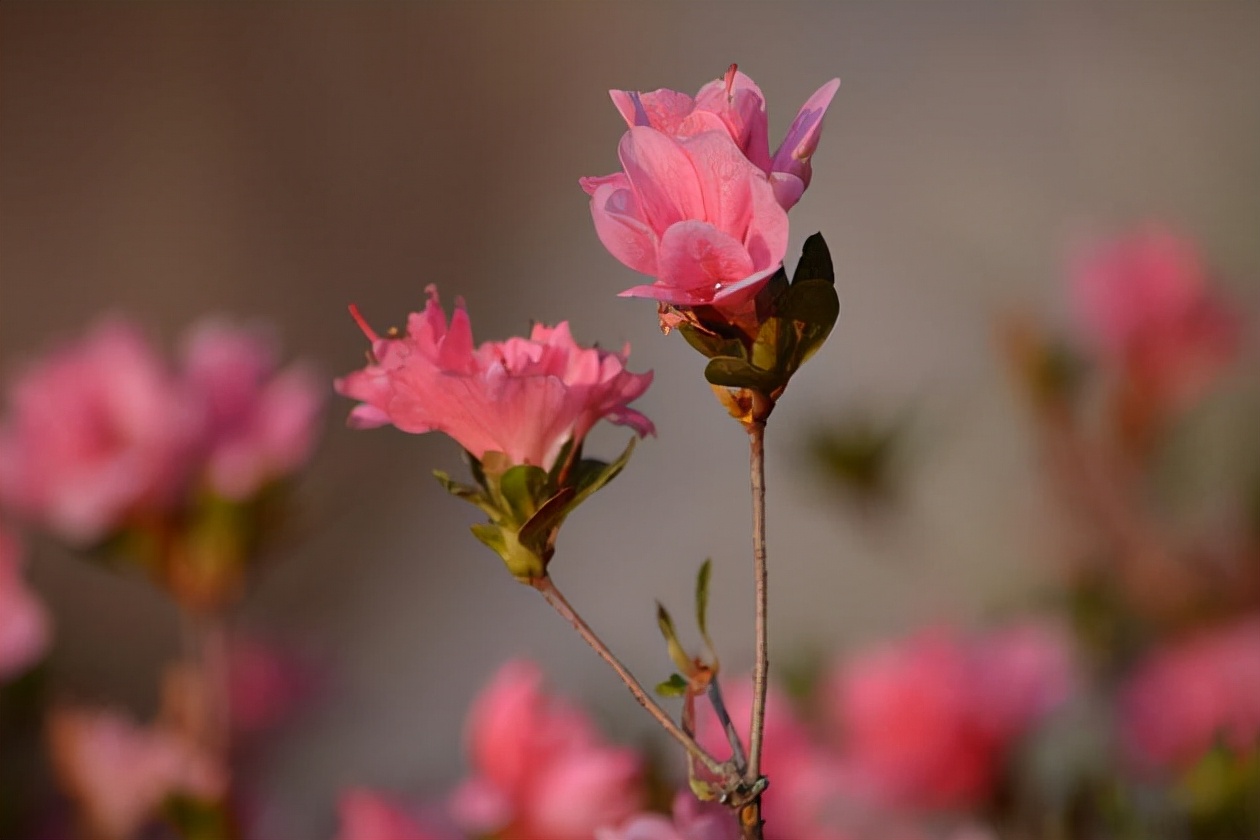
{"x":363,"y":324}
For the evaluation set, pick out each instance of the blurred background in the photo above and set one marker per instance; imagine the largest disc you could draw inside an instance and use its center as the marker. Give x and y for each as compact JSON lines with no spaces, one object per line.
{"x":281,"y":161}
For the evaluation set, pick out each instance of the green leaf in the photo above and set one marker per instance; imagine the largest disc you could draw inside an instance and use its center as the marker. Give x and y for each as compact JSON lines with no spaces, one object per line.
{"x":467,"y":492}
{"x":537,"y":529}
{"x":774,"y":347}
{"x":729,"y":372}
{"x":702,"y":605}
{"x":523,"y":488}
{"x":591,"y":475}
{"x":562,"y":459}
{"x":675,"y":686}
{"x":711,"y":344}
{"x":676,"y":652}
{"x":814,"y":306}
{"x":524,"y":562}
{"x":815,"y":262}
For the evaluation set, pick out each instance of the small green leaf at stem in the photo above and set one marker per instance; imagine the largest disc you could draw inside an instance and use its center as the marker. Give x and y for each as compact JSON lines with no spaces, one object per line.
{"x":702,"y":604}
{"x":675,"y":686}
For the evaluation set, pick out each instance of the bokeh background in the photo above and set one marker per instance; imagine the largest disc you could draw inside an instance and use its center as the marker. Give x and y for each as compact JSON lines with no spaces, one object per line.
{"x":279,"y":161}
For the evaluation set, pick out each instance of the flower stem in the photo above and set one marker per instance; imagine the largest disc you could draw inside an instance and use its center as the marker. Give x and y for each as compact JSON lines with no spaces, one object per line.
{"x":757,"y":473}
{"x":547,"y":588}
{"x":732,"y":736}
{"x":750,"y":814}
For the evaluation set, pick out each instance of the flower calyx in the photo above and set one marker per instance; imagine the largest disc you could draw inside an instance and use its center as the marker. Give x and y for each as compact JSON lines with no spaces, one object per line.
{"x":527,"y":504}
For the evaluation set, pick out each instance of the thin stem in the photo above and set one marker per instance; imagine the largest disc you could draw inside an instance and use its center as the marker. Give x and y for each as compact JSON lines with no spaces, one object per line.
{"x":552,"y":595}
{"x":757,"y":474}
{"x":204,"y":638}
{"x":732,"y":737}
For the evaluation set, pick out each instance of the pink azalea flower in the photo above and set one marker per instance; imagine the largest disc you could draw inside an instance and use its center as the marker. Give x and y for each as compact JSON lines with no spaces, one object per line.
{"x":525,"y":397}
{"x":694,"y":213}
{"x":539,"y":767}
{"x":97,"y":433}
{"x":368,"y":815}
{"x":1194,"y":694}
{"x":24,"y":625}
{"x":931,"y":720}
{"x":1148,"y":306}
{"x":735,"y":105}
{"x":120,"y":773}
{"x":691,"y":820}
{"x":261,"y":422}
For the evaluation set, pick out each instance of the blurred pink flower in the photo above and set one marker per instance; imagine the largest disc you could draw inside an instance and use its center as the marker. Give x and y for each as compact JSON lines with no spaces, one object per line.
{"x":1147,"y":303}
{"x":691,"y":820}
{"x":368,"y":815}
{"x":930,"y":720}
{"x":524,"y":397}
{"x":539,"y":767}
{"x":694,"y":213}
{"x":24,"y":623}
{"x":735,"y":105}
{"x":265,"y":683}
{"x":261,"y":423}
{"x":120,"y":773}
{"x":1194,"y":694}
{"x":97,"y":432}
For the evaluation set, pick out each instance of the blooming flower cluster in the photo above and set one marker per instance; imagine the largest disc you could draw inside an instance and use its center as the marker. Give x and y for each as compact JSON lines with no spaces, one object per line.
{"x":102,"y":434}
{"x":525,"y":397}
{"x":540,"y":769}
{"x":700,"y":203}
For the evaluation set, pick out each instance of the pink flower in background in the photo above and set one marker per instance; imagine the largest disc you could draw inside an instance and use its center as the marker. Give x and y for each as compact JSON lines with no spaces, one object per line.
{"x":694,"y":213}
{"x":524,"y":397}
{"x":261,"y":423}
{"x":1147,"y":303}
{"x":539,"y":767}
{"x":691,"y":820}
{"x":97,"y":432}
{"x":120,"y":773}
{"x":735,"y":105}
{"x":1194,"y":694}
{"x":265,"y":684}
{"x":931,"y":720}
{"x":24,"y":624}
{"x":368,"y":815}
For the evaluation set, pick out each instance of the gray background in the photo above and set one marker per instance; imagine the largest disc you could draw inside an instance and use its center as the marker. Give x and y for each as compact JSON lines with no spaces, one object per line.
{"x":282,"y":161}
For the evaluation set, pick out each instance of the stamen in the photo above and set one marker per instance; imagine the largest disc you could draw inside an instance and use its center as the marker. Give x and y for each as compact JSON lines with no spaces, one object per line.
{"x":363,"y":324}
{"x":730,"y":81}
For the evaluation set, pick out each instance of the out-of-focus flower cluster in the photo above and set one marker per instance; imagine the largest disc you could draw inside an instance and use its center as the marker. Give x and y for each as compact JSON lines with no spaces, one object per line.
{"x":908,"y":740}
{"x":103,"y":434}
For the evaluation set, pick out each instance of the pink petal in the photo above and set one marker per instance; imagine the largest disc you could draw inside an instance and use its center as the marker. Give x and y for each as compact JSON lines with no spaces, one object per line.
{"x":619,"y":225}
{"x":802,"y":137}
{"x":663,"y":177}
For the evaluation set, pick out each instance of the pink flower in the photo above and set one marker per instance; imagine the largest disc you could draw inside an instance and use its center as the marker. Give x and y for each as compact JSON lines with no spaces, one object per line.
{"x":265,"y":684}
{"x":120,"y":773}
{"x":367,"y":815}
{"x":97,"y":433}
{"x":931,"y":720}
{"x":1194,"y":694}
{"x":1147,"y":303}
{"x":24,"y":624}
{"x":523,"y":397}
{"x":539,"y":767}
{"x":260,"y":422}
{"x":694,"y":213}
{"x":692,"y":820}
{"x":735,"y":105}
